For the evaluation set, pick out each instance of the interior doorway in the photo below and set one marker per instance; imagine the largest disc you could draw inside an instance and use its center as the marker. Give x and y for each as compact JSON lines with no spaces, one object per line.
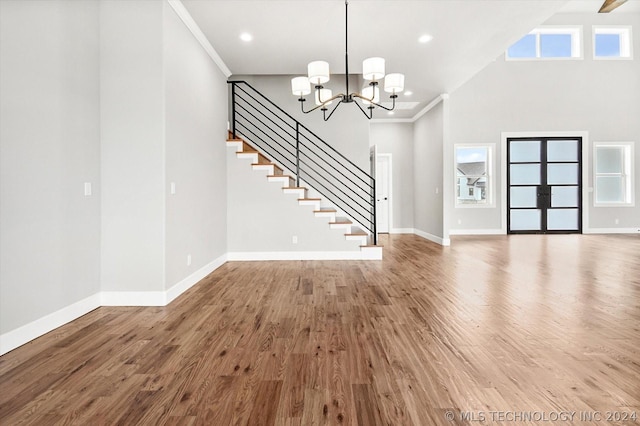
{"x":383,"y":193}
{"x":544,"y":185}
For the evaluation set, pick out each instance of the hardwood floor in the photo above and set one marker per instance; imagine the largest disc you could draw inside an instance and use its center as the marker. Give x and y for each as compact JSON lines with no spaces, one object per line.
{"x":509,"y":330}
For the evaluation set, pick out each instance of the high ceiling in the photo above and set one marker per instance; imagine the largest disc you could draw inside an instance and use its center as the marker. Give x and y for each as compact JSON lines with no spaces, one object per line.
{"x":287,"y":34}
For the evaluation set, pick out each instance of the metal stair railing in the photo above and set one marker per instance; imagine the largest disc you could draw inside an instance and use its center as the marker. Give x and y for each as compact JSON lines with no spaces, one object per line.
{"x":294,"y":147}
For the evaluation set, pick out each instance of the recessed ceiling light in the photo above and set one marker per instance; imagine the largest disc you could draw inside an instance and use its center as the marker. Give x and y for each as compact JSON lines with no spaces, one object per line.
{"x":246,"y":37}
{"x":425,"y":38}
{"x":391,"y":112}
{"x":408,"y":93}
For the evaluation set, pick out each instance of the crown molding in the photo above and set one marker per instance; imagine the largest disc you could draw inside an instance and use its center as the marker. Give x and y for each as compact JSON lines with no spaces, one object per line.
{"x":187,"y":19}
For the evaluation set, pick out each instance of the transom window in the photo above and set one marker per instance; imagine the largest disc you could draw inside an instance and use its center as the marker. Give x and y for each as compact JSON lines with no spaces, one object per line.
{"x":548,"y":43}
{"x":612,"y":42}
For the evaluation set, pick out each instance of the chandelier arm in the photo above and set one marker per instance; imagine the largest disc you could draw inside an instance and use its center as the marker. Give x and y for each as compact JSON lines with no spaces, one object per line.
{"x":393,"y":98}
{"x":302,"y":100}
{"x":324,"y":112}
{"x":370,"y":115}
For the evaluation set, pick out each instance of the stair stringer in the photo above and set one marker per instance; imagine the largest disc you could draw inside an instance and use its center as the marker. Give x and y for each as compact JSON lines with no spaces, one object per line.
{"x":265,"y":212}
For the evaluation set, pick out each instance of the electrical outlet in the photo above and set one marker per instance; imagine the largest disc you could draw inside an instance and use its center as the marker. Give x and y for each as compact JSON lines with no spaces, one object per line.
{"x":617,"y":221}
{"x":173,"y":188}
{"x":459,"y":221}
{"x":87,"y":189}
{"x":294,"y":239}
{"x":188,"y":260}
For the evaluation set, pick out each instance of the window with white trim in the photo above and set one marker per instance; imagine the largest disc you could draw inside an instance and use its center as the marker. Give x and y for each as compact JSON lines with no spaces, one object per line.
{"x":474,"y":177}
{"x":548,"y":43}
{"x":612,"y":42}
{"x":613,"y":174}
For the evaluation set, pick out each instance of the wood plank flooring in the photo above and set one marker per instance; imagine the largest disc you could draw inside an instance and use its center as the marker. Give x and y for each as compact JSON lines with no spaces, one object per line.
{"x":488,"y":329}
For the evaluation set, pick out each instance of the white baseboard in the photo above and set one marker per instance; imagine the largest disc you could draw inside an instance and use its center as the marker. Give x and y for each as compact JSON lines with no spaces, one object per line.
{"x":611,"y":231}
{"x":133,"y":298}
{"x":37,"y":328}
{"x":184,"y":285}
{"x":496,"y":231}
{"x":366,"y":254}
{"x":18,"y":337}
{"x":402,"y":231}
{"x":434,"y":238}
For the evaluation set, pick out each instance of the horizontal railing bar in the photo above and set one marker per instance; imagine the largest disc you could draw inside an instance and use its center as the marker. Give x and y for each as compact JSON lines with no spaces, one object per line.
{"x":348,"y":207}
{"x":365,"y":199}
{"x":242,"y":105}
{"x":328,"y":172}
{"x":267,"y":126}
{"x":338,"y":162}
{"x":261,"y":104}
{"x":359,"y":185}
{"x":301,"y":125}
{"x":316,"y":177}
{"x":266,"y":143}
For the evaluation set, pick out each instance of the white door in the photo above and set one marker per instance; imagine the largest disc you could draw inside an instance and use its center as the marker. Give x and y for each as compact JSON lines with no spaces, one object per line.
{"x":383,"y":192}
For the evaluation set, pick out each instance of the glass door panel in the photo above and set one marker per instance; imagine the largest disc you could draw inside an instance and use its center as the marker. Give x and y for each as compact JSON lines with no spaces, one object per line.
{"x":559,"y":150}
{"x":544,"y":185}
{"x":562,"y":173}
{"x":526,"y":220}
{"x":524,"y":196}
{"x":564,"y":196}
{"x":525,"y":174}
{"x":562,"y":219}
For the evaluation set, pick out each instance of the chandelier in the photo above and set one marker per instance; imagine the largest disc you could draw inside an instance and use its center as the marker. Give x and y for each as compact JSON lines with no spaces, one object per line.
{"x":373,"y":71}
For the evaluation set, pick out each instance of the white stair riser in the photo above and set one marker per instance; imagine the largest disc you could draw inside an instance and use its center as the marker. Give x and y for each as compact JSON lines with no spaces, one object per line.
{"x":315,"y":204}
{"x":236,"y":145}
{"x":343,"y":226}
{"x":268,"y":167}
{"x":300,"y":192}
{"x":361,"y":238}
{"x":331,"y":216}
{"x":283,"y":180}
{"x":249,"y":155}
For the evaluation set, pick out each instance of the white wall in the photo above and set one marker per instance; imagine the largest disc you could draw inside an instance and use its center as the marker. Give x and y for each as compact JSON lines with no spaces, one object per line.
{"x":599,"y":97}
{"x":397,"y":139}
{"x":49,"y":147}
{"x":132,"y":133}
{"x":121,"y":95}
{"x":428,"y":145}
{"x":195,"y":152}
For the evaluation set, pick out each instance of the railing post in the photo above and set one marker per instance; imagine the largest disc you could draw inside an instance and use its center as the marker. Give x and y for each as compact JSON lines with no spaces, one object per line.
{"x":297,"y":154}
{"x":233,"y":109}
{"x":373,"y":199}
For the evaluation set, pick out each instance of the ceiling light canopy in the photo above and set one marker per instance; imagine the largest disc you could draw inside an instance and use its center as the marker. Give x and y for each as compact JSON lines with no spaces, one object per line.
{"x":246,"y":37}
{"x":373,"y":71}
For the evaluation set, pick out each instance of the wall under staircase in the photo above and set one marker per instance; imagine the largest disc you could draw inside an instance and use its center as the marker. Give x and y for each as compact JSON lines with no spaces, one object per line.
{"x":268,"y":222}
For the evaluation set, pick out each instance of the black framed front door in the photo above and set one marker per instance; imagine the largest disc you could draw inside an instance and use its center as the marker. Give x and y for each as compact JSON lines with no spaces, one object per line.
{"x":544,"y":185}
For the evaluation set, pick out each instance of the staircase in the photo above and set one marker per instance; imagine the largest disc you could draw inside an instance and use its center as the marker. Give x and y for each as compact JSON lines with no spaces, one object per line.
{"x":305,"y":167}
{"x":320,"y":209}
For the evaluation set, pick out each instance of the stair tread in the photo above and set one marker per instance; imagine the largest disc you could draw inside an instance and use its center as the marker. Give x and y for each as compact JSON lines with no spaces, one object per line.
{"x":294,"y":187}
{"x":280,"y":176}
{"x":363,"y":234}
{"x":325,"y":210}
{"x":341,"y":222}
{"x":309,"y":199}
